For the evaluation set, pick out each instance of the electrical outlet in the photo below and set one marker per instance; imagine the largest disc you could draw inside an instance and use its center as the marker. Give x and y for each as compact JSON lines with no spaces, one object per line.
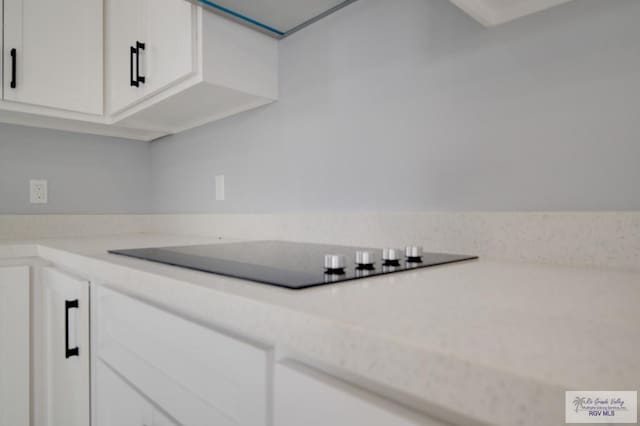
{"x":38,"y":191}
{"x":220,"y":188}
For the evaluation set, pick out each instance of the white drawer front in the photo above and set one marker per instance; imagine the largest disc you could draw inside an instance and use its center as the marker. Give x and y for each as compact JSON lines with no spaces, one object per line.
{"x":305,"y":397}
{"x":197,"y":375}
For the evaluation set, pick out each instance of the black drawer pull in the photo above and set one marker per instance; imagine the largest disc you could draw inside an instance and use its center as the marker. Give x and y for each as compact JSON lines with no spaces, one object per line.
{"x":132,"y":52}
{"x":139,"y":78}
{"x":14,"y":60}
{"x":69,"y":352}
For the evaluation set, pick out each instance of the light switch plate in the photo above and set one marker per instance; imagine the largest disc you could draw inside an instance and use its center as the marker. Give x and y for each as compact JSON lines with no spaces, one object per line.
{"x":38,"y":191}
{"x":220,"y":188}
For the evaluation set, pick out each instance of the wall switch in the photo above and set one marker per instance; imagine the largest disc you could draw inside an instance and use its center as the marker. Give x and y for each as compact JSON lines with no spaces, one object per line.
{"x":38,"y":191}
{"x":220,"y":188}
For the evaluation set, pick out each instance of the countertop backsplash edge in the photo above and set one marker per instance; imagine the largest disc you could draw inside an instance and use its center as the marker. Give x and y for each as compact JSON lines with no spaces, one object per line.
{"x":598,"y":239}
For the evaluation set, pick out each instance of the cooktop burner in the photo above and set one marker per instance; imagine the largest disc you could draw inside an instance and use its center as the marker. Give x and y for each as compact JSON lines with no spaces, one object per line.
{"x":293,"y":265}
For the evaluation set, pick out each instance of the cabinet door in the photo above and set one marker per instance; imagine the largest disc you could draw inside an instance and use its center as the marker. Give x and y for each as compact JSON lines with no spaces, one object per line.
{"x":14,"y":346}
{"x":169,"y":43}
{"x":162,"y":34}
{"x":124,"y":26}
{"x":306,"y":397}
{"x":66,"y":347}
{"x":53,"y":53}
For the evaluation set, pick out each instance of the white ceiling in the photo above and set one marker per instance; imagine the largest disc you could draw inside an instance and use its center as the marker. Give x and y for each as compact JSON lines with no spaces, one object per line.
{"x":285,"y":15}
{"x":495,"y":12}
{"x":282,"y":15}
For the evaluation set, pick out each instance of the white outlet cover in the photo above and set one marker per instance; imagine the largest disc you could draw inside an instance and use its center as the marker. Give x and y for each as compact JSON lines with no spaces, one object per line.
{"x":220,"y":188}
{"x":38,"y":191}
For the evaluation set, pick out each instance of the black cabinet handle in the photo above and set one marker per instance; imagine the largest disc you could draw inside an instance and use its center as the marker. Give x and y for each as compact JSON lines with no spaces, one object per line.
{"x":69,"y":352}
{"x":14,"y":60}
{"x":139,"y":78}
{"x":132,"y":52}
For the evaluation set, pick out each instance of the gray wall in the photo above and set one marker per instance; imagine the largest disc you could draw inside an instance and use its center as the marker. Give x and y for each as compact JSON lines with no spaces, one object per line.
{"x":85,"y":173}
{"x":387,"y":105}
{"x":411,"y":105}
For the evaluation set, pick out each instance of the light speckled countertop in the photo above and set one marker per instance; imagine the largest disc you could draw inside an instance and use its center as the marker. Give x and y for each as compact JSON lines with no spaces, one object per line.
{"x":496,"y":342}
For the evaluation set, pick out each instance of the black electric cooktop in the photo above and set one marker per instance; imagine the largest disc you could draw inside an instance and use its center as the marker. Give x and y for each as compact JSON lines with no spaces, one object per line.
{"x":286,"y":264}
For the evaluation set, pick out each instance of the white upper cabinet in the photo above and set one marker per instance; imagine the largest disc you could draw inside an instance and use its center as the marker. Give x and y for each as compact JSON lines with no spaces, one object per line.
{"x":149,"y":46}
{"x":170,"y":45}
{"x":121,"y":36}
{"x":196,"y":67}
{"x":53,"y":55}
{"x":140,"y":69}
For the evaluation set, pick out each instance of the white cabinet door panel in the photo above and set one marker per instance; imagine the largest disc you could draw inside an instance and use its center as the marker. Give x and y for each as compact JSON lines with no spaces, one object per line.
{"x":58,"y":53}
{"x":169,"y":43}
{"x":310,"y":398}
{"x":163,"y":34}
{"x":14,"y":346}
{"x":66,"y":347}
{"x":124,"y":26}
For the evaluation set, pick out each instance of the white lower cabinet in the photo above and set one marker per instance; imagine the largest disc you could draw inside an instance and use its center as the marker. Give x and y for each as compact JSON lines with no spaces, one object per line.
{"x":193,"y":374}
{"x":14,"y":346}
{"x":304,"y":396}
{"x":154,"y":368}
{"x":149,"y":367}
{"x":66,"y":349}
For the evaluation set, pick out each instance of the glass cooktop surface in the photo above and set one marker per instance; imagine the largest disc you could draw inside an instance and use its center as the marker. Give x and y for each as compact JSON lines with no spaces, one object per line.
{"x":282,"y":263}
